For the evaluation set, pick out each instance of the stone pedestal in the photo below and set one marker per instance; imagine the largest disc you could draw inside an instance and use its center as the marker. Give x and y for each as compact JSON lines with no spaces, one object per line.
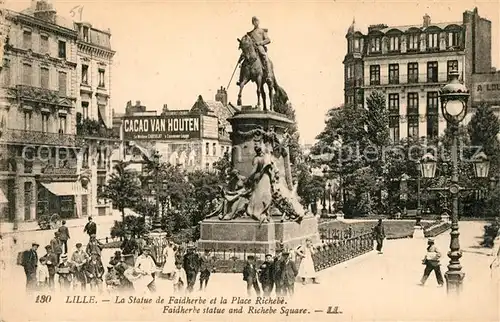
{"x":245,"y":235}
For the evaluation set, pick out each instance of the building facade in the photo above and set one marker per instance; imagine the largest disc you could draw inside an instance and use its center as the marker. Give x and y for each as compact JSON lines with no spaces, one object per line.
{"x":94,"y":113}
{"x":409,"y":64}
{"x":38,"y":163}
{"x":193,"y":139}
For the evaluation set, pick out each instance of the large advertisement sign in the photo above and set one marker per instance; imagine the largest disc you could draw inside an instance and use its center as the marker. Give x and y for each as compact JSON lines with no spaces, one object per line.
{"x":486,"y":88}
{"x":161,"y":127}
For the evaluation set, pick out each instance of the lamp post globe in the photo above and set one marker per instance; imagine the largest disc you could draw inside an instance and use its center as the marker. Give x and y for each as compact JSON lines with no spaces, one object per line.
{"x":428,"y":165}
{"x":454,"y":97}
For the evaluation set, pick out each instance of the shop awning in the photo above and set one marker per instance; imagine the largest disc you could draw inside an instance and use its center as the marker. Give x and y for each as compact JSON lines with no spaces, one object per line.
{"x":3,"y":198}
{"x":65,"y":188}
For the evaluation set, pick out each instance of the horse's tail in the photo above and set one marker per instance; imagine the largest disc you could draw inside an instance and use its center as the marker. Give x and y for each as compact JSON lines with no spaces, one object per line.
{"x":280,"y":94}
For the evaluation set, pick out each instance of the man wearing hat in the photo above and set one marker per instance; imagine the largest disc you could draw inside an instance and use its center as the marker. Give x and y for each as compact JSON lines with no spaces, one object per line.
{"x":129,"y":245}
{"x":289,"y":272}
{"x":125,"y":263}
{"x":250,"y":276}
{"x":64,"y":270}
{"x":56,"y":245}
{"x":266,"y":275}
{"x":51,"y":262}
{"x":191,"y":264}
{"x":94,"y":271}
{"x":431,"y":262}
{"x":79,"y":258}
{"x":94,"y":246}
{"x":30,"y":264}
{"x":146,"y":264}
{"x":90,"y":228}
{"x":116,"y":258}
{"x":278,"y":259}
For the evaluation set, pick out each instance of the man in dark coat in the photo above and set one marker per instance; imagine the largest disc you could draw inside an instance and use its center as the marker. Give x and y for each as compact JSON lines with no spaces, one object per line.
{"x":129,"y":245}
{"x":64,"y":236}
{"x":266,"y":275}
{"x":250,"y":276}
{"x":56,"y":245}
{"x":90,"y":227}
{"x":277,"y":272}
{"x":379,"y":235}
{"x":289,"y":272}
{"x":191,"y":265}
{"x":94,"y":246}
{"x":52,"y":262}
{"x":30,"y":264}
{"x":206,"y":268}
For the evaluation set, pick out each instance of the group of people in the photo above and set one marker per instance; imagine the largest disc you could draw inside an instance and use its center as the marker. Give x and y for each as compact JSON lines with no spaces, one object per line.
{"x":84,"y":267}
{"x":280,"y":272}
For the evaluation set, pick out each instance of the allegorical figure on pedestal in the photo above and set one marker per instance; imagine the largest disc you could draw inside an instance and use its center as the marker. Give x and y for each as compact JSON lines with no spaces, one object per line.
{"x":257,"y":67}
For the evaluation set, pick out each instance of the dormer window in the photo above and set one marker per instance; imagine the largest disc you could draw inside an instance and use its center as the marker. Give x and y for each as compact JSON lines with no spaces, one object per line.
{"x":394,"y":43}
{"x":375,"y":44}
{"x":433,"y":40}
{"x":85,"y":34}
{"x":413,"y":41}
{"x":453,"y":39}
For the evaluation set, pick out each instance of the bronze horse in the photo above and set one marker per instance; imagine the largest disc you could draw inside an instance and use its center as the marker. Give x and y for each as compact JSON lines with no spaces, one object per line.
{"x":252,"y":70}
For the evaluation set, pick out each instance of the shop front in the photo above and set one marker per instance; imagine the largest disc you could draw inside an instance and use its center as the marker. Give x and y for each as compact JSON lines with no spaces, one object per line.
{"x":58,"y":192}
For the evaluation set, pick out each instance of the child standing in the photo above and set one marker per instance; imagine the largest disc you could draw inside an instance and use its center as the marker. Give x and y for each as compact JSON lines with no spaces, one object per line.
{"x":42,"y":275}
{"x":179,"y":278}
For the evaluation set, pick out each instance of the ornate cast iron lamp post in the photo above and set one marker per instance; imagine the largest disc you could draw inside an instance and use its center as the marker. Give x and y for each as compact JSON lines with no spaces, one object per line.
{"x":454,"y":97}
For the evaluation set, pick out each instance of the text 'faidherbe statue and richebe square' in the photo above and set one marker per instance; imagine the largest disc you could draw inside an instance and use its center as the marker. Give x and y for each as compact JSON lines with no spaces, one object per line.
{"x":259,"y":212}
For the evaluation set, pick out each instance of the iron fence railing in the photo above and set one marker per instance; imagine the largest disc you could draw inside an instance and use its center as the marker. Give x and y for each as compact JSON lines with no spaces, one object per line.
{"x":334,"y":252}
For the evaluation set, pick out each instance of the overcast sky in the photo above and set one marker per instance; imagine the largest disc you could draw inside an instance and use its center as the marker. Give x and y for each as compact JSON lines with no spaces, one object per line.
{"x":169,"y":52}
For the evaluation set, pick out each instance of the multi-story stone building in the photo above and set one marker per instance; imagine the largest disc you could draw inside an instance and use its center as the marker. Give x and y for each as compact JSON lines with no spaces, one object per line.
{"x":198,"y":147}
{"x":38,"y":168}
{"x":409,"y":64}
{"x":94,"y":112}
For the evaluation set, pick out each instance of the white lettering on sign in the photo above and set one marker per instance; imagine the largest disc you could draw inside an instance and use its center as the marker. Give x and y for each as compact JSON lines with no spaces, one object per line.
{"x":162,"y":127}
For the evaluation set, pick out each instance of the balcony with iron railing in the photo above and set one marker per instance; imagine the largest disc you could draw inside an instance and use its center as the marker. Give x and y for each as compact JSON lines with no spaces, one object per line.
{"x":89,"y":128}
{"x":421,"y":79}
{"x":43,"y":95}
{"x":14,"y":136}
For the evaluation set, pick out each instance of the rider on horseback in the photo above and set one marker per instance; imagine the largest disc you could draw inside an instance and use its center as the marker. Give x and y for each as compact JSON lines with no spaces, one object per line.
{"x":260,"y":38}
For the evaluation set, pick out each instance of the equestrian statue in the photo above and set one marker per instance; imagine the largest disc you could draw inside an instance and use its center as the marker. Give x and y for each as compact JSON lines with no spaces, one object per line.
{"x":258,"y":68}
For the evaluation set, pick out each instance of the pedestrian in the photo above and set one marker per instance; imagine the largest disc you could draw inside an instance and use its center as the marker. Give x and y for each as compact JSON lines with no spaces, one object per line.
{"x":64,"y":236}
{"x":90,"y":228}
{"x":379,"y":235}
{"x":129,"y":245}
{"x":306,"y":268}
{"x":169,"y":256}
{"x":266,"y":275}
{"x":179,"y":278}
{"x":56,"y":245}
{"x":94,"y":246}
{"x":79,"y":258}
{"x":116,"y":258}
{"x":51,"y":262}
{"x":206,"y":268}
{"x":432,"y":263}
{"x":30,"y":264}
{"x":64,"y":269}
{"x":289,"y":272}
{"x":94,"y":272}
{"x":147,"y":266}
{"x":278,"y":259}
{"x":42,"y":275}
{"x":111,"y":279}
{"x":126,"y":262}
{"x":191,"y":264}
{"x":250,"y":276}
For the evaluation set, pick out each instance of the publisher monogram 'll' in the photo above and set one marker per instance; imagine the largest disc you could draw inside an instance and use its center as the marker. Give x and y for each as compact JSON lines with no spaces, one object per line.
{"x":161,"y":127}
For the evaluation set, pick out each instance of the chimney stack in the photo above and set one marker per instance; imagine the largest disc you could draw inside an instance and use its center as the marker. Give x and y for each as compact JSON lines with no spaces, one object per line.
{"x":221,"y":96}
{"x":137,"y":103}
{"x":427,"y":21}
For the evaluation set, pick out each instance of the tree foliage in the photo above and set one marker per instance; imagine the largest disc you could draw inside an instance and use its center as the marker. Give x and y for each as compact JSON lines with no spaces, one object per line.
{"x":123,"y":188}
{"x":293,"y":131}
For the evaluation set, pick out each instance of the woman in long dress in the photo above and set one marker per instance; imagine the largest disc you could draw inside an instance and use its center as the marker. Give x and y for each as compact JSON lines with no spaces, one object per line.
{"x":169,"y":255}
{"x":306,"y":269}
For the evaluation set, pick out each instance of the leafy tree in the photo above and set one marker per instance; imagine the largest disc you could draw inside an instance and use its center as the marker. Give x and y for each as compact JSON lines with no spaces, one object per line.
{"x":223,"y":166}
{"x":309,"y":188}
{"x":204,"y":191}
{"x":132,"y":224}
{"x":484,"y":128}
{"x":123,"y":188}
{"x":377,"y":129}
